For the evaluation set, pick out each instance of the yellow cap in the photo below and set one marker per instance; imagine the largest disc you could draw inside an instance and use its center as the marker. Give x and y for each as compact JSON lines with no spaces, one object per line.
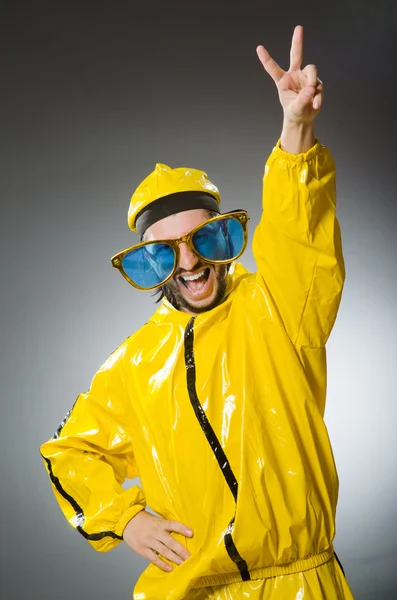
{"x":164,"y":181}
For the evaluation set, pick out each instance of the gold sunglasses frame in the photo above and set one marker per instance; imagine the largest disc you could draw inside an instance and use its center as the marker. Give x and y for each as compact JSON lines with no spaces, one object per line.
{"x":239,"y":214}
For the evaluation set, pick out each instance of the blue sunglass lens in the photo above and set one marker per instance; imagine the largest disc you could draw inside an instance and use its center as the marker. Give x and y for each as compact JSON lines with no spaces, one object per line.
{"x":150,"y":265}
{"x":220,"y":240}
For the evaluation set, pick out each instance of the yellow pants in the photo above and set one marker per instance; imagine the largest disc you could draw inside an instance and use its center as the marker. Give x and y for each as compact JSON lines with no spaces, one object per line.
{"x":326,"y":582}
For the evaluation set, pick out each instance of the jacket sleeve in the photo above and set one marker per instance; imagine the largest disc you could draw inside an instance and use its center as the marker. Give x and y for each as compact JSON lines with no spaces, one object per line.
{"x":297,"y":244}
{"x":91,"y":455}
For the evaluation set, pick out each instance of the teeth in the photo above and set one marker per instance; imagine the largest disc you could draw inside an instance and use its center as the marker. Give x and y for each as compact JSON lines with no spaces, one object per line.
{"x":193,"y":277}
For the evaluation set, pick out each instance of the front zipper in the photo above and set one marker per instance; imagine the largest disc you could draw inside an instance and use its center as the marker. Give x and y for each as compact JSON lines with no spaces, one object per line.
{"x":215,"y":446}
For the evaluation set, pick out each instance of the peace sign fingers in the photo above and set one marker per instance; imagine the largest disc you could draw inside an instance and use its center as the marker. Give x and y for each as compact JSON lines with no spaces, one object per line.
{"x":296,"y":52}
{"x":269,"y":64}
{"x":300,"y":91}
{"x":296,"y":56}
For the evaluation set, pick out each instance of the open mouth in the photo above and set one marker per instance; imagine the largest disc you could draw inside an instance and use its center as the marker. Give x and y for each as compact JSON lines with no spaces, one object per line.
{"x":196,"y":283}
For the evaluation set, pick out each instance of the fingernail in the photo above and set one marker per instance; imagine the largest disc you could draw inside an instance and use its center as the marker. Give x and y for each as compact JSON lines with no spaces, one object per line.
{"x":169,"y":568}
{"x":189,"y":532}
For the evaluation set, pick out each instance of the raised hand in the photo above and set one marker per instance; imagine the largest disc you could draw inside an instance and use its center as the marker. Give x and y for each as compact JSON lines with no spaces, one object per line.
{"x":150,"y":537}
{"x":300,"y":91}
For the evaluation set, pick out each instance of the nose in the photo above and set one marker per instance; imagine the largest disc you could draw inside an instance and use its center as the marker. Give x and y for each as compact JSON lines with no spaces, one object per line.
{"x":187,"y":260}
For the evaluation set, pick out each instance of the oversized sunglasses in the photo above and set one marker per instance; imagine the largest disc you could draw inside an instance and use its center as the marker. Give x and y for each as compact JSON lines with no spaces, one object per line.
{"x":219,"y":240}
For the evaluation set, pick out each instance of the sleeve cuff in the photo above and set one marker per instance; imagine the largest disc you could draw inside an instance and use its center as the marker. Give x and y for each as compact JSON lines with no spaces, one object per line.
{"x":126,"y":518}
{"x":298,"y":158}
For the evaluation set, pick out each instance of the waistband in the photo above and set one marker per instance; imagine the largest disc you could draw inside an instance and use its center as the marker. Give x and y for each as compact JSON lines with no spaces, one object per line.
{"x":263,"y":573}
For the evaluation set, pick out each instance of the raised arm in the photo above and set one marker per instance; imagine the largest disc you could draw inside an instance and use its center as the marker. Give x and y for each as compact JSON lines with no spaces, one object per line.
{"x":300,"y":93}
{"x":297,"y":244}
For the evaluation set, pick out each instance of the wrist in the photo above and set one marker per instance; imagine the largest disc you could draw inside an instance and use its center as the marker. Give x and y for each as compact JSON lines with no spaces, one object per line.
{"x":297,"y":137}
{"x":127,"y":517}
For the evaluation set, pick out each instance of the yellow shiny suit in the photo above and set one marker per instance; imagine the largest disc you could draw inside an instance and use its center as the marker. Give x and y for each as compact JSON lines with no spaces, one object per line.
{"x":221,"y":416}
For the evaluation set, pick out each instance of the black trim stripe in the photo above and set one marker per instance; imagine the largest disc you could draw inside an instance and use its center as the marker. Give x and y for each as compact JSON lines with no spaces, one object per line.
{"x":339,"y":563}
{"x":215,"y":446}
{"x":93,"y":537}
{"x":234,"y":553}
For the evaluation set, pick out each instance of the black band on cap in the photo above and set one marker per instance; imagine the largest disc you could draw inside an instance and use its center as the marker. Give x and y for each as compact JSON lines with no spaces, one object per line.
{"x":172,"y":204}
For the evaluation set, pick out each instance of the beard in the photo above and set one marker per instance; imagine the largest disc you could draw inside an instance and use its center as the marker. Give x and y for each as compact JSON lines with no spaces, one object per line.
{"x":172,"y":292}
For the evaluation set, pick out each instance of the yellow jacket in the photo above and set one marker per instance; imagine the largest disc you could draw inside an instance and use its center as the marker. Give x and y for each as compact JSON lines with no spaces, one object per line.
{"x":221,"y":415}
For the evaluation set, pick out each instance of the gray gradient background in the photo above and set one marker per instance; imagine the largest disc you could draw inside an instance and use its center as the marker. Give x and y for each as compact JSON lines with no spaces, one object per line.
{"x":92,"y":97}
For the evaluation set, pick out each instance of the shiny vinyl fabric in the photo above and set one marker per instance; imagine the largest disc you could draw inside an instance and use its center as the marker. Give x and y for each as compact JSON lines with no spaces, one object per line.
{"x":221,"y":415}
{"x":164,"y":181}
{"x":327,"y":581}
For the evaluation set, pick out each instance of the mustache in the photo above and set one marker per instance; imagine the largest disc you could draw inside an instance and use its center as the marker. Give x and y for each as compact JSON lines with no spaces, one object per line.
{"x":197,"y":266}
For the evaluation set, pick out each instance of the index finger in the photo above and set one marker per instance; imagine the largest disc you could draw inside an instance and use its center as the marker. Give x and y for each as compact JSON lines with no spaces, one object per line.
{"x":270,"y":65}
{"x":177,"y":528}
{"x":296,"y":53}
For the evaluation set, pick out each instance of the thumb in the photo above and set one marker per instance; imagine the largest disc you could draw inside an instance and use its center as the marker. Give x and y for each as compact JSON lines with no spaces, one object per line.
{"x":304,"y":98}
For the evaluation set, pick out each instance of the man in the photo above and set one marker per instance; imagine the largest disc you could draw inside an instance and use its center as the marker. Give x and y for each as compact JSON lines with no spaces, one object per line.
{"x":217,"y":402}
